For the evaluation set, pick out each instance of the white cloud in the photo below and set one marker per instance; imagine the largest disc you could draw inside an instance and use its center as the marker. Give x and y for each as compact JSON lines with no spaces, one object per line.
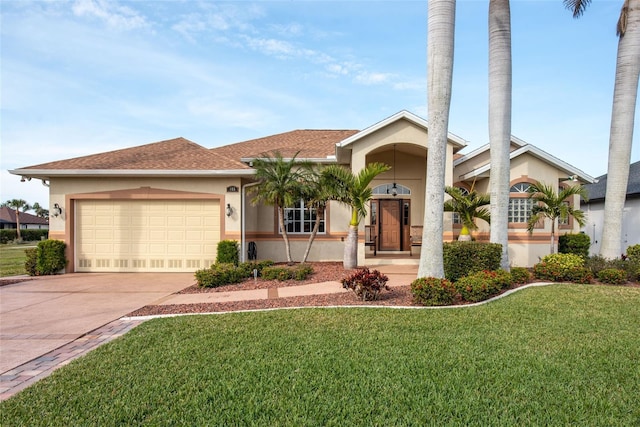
{"x":114,"y":15}
{"x":272,"y":47}
{"x":371,"y":78}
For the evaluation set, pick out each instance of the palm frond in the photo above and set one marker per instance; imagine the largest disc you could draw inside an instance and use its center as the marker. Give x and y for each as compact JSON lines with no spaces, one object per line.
{"x":577,"y":7}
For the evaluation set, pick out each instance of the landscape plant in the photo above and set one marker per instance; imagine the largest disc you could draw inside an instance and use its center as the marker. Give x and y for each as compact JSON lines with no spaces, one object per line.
{"x":578,"y":244}
{"x":612,"y":276}
{"x":366,"y":284}
{"x":50,"y":257}
{"x":282,"y":273}
{"x":563,"y":268}
{"x":431,"y":291}
{"x":227,"y":252}
{"x":468,"y":207}
{"x":520,"y":275}
{"x":464,"y":258}
{"x":482,"y":285}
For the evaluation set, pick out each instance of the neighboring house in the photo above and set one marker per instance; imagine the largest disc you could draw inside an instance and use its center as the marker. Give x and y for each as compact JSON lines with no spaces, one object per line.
{"x":594,"y":209}
{"x":165,"y":206}
{"x":8,"y":220}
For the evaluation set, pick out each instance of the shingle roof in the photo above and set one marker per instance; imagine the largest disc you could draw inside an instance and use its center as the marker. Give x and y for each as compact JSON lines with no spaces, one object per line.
{"x":598,"y":190}
{"x":8,"y":215}
{"x":172,"y":154}
{"x":311,"y":144}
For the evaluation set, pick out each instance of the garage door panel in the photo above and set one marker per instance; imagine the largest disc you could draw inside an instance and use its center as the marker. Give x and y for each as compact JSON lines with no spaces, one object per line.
{"x":146,"y":235}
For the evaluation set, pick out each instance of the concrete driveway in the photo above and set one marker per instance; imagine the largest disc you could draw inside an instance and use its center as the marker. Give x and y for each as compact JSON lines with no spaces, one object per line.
{"x":42,"y":314}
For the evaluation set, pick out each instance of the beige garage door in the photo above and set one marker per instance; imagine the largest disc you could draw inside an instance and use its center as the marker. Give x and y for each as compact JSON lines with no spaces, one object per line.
{"x":146,"y":235}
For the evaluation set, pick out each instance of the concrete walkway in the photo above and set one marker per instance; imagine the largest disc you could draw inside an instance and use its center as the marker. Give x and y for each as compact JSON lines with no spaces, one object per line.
{"x":49,"y":321}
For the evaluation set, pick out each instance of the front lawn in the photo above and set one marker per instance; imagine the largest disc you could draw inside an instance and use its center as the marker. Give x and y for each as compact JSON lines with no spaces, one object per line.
{"x":556,"y":355}
{"x":12,"y":258}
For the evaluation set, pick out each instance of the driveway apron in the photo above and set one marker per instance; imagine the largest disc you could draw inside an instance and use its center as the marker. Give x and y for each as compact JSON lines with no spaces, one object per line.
{"x":42,"y":314}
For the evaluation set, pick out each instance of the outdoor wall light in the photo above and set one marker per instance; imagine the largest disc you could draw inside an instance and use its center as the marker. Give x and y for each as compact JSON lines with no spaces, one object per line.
{"x":229,"y":209}
{"x":57,"y":210}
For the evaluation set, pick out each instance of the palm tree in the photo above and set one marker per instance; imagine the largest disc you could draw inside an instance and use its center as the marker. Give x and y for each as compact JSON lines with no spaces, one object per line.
{"x":316,"y":192}
{"x":40,"y":211}
{"x":554,"y":206}
{"x":18,"y":205}
{"x":352,"y":190}
{"x":468,"y":207}
{"x":500,"y":122}
{"x":625,"y":95}
{"x":280,"y":183}
{"x":440,"y":41}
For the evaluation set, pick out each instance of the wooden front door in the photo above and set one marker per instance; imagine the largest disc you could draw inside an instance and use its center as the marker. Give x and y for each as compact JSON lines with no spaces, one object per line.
{"x":390,"y":225}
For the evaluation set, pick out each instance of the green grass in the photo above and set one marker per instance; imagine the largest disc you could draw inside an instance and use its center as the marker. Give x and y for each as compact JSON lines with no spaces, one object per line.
{"x":558,"y":355}
{"x":12,"y":259}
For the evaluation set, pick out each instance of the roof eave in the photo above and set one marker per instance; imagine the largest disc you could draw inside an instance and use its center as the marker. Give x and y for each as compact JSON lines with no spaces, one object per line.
{"x":48,"y":173}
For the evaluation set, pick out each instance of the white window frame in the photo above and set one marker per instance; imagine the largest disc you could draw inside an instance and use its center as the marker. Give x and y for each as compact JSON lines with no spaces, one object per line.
{"x":298,"y":216}
{"x":519,"y":207}
{"x":386,"y":190}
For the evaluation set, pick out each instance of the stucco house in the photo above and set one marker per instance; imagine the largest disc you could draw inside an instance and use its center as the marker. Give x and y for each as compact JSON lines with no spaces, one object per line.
{"x":594,"y":209}
{"x":164,"y":206}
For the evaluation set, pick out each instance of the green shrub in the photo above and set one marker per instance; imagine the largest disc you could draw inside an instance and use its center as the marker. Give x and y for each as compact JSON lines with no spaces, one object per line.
{"x":31,"y":261}
{"x":482,"y":285}
{"x":247,"y":267}
{"x":520,"y":275}
{"x":366,"y":284}
{"x":50,"y":256}
{"x":577,"y":244}
{"x":612,"y":276}
{"x":597,"y":263}
{"x":630,"y":265}
{"x":633,"y":252}
{"x":282,"y":273}
{"x":431,"y":291}
{"x":578,"y":275}
{"x":464,"y":258}
{"x":8,"y":235}
{"x":227,"y":252}
{"x":559,"y":267}
{"x":219,"y":275}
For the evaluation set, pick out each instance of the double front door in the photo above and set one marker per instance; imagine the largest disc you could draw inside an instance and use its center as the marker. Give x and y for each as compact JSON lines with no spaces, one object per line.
{"x":390,"y":219}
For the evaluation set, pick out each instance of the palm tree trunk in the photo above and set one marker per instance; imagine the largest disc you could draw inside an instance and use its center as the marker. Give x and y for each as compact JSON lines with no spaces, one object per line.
{"x":440,"y":41}
{"x":314,"y":232}
{"x":553,"y":235}
{"x":18,"y":234}
{"x":621,"y":137}
{"x":285,"y":236}
{"x":500,"y":122}
{"x":350,"y":259}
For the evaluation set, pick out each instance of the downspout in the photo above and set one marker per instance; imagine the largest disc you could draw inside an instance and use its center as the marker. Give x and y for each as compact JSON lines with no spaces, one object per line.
{"x":243,"y":221}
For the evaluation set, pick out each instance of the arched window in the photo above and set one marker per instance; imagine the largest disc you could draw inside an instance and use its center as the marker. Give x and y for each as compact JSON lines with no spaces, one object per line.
{"x":519,"y":203}
{"x":387,"y":189}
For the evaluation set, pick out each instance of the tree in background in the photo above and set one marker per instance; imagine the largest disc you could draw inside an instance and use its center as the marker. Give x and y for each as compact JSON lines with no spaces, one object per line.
{"x":18,"y":205}
{"x":555,"y":206}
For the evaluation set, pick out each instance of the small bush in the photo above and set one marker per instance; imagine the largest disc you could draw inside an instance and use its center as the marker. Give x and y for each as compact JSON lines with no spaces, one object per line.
{"x":579,"y":275}
{"x":431,"y":291}
{"x":8,"y":235}
{"x":464,"y":258}
{"x":50,"y":258}
{"x":577,"y":244}
{"x":633,"y":253}
{"x":227,"y":252}
{"x":612,"y":276}
{"x":219,"y":275}
{"x":31,"y":261}
{"x":248,"y":267}
{"x":597,"y":263}
{"x":560,"y":267}
{"x":482,"y":285}
{"x":33,"y":234}
{"x":366,"y":284}
{"x":520,"y":275}
{"x":282,"y":273}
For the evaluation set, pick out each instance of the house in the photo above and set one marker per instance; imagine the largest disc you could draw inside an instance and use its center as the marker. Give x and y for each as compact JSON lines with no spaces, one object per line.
{"x":27,"y":221}
{"x":594,"y":210}
{"x":164,"y":206}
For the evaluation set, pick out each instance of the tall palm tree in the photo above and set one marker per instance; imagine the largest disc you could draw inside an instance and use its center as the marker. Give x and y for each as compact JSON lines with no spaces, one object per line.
{"x":500,"y":122}
{"x":40,"y":211}
{"x":18,"y":205}
{"x":468,"y":207}
{"x":554,"y":205}
{"x":280,"y":183}
{"x":440,"y":41}
{"x":352,"y":190}
{"x":625,"y":94}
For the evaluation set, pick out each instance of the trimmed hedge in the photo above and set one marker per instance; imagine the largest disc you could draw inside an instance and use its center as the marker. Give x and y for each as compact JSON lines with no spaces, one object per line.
{"x":219,"y":275}
{"x":228,"y":252}
{"x":612,"y":276}
{"x":28,"y":235}
{"x":431,"y":291}
{"x":31,"y":261}
{"x":298,"y":272}
{"x":464,"y":258}
{"x":577,"y":244}
{"x":483,"y":285}
{"x":563,"y":268}
{"x":520,"y":275}
{"x":50,"y":257}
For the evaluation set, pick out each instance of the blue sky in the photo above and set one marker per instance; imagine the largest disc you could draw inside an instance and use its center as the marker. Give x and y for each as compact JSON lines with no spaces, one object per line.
{"x":87,"y":76}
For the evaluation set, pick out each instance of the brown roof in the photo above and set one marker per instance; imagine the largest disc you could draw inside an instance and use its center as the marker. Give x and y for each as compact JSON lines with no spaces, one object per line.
{"x":311,"y":144}
{"x":172,"y":154}
{"x":8,"y":215}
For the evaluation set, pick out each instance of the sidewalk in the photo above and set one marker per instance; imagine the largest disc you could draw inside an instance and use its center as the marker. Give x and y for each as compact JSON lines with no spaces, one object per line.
{"x":20,"y":377}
